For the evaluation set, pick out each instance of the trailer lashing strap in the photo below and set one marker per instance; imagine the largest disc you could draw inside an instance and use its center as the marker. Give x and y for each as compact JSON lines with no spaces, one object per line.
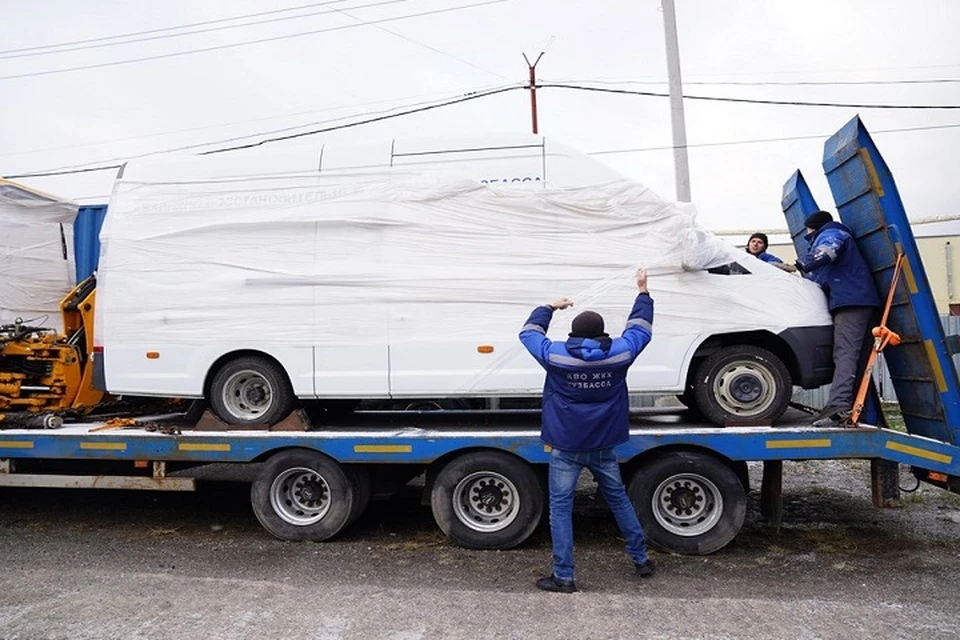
{"x":882,"y":337}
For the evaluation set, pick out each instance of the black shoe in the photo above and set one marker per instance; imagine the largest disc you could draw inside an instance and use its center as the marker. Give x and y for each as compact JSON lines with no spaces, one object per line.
{"x":828,"y":421}
{"x":556,"y":585}
{"x":646,"y":569}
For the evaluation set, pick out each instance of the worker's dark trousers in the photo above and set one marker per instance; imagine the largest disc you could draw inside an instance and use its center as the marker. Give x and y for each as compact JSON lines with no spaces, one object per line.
{"x":852,"y":341}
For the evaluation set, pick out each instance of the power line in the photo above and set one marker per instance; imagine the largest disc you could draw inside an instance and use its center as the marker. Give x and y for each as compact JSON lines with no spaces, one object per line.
{"x":247,"y":42}
{"x":730,"y":143}
{"x":434,"y":98}
{"x":760,"y":83}
{"x":466,"y":98}
{"x":424,"y":45}
{"x":794,"y":103}
{"x":4,"y":54}
{"x":199,"y":31}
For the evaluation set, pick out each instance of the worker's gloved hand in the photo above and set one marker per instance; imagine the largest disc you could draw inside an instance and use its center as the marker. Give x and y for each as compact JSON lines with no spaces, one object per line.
{"x":799,"y":266}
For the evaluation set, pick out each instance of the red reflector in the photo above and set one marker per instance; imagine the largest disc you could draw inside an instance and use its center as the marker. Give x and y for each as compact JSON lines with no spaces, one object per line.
{"x":97,"y":349}
{"x":937,"y":477}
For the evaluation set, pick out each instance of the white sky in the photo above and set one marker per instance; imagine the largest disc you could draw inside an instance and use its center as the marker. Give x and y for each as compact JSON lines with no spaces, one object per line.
{"x":119,"y":111}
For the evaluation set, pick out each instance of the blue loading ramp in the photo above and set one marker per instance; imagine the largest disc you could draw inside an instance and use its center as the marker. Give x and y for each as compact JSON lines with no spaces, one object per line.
{"x":868,"y":202}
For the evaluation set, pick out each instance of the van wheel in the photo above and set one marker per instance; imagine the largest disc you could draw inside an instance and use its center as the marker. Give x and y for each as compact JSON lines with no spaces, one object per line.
{"x":487,"y":500}
{"x":688,"y":502}
{"x":251,"y":390}
{"x":741,"y":383}
{"x":304,"y":495}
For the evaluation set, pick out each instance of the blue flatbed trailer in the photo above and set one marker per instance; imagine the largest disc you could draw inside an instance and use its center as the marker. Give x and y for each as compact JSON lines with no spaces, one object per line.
{"x":485,"y":471}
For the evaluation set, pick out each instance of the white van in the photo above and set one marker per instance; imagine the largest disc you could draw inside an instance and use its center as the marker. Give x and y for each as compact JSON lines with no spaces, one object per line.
{"x":406,"y":271}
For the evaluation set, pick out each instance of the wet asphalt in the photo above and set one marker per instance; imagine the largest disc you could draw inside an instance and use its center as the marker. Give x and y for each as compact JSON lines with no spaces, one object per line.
{"x":124,"y":564}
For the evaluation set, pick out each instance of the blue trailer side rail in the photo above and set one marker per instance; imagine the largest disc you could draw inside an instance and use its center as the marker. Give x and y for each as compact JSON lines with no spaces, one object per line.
{"x":416,"y":445}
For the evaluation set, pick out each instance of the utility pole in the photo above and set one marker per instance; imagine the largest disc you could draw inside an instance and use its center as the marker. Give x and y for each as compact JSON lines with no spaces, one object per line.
{"x":681,"y":167}
{"x":533,"y":87}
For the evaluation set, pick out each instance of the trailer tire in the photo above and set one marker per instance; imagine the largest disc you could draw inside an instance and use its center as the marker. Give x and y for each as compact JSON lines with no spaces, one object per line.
{"x":304,"y":495}
{"x":742,"y":382}
{"x":251,"y":390}
{"x":360,"y":479}
{"x":689,"y":502}
{"x":487,"y":500}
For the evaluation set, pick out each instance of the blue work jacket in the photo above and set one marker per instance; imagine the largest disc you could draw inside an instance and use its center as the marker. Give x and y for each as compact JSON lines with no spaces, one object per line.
{"x":835,"y":263}
{"x":767,"y":257}
{"x":585,"y":401}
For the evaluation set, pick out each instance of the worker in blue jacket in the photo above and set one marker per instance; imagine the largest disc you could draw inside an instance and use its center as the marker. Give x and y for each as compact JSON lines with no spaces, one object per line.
{"x":757,"y":247}
{"x":585,"y":415}
{"x":834,"y":262}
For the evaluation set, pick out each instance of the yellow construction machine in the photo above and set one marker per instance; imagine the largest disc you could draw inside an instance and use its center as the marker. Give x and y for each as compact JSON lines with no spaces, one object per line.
{"x":45,"y":374}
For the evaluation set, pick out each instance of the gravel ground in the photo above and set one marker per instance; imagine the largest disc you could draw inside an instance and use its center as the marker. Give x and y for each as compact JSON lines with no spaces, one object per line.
{"x":86,"y":564}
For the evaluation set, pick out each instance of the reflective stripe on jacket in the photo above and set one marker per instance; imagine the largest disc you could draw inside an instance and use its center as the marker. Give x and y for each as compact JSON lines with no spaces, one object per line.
{"x":835,"y":263}
{"x":585,"y":401}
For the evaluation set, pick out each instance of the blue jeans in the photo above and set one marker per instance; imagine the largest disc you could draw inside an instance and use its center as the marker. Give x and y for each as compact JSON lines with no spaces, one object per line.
{"x":565,"y":468}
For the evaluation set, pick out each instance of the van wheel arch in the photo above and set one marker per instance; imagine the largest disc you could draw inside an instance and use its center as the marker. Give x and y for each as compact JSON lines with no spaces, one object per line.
{"x":782,"y":365}
{"x":247,"y":372}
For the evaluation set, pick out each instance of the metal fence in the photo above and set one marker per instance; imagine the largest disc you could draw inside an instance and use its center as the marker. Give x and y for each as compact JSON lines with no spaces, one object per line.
{"x":881,"y":377}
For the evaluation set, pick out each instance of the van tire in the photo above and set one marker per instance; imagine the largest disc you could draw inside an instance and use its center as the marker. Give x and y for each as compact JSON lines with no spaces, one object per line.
{"x":251,"y":390}
{"x":487,"y":500}
{"x":742,"y":383}
{"x":710,"y":489}
{"x":304,"y":495}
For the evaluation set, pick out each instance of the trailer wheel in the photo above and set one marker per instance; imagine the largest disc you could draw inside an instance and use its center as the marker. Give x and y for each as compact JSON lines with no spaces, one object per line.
{"x":304,"y":495}
{"x":360,"y":479}
{"x":742,"y":382}
{"x":251,"y":390}
{"x":688,"y":502}
{"x":487,"y":500}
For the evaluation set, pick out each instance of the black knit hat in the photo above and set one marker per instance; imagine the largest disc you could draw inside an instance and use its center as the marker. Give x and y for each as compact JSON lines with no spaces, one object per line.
{"x":762,"y":236}
{"x":588,"y":324}
{"x":817,"y":220}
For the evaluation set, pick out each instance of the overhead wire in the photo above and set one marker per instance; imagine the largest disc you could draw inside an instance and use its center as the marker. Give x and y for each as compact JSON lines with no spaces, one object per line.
{"x":794,"y":103}
{"x":422,"y":44}
{"x":233,"y":45}
{"x":377,"y":118}
{"x":3,"y":53}
{"x":438,"y":96}
{"x":730,"y":143}
{"x":487,"y":93}
{"x":760,"y":83}
{"x":97,"y":43}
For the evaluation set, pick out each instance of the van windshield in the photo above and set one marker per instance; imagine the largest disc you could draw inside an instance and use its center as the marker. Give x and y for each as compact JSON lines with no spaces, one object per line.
{"x":730,"y":269}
